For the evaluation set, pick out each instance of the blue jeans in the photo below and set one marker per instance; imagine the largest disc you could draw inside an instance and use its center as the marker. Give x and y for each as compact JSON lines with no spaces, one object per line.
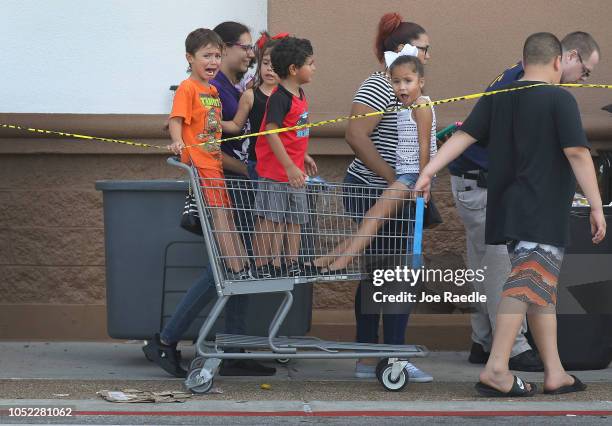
{"x":203,"y":291}
{"x":394,"y":325}
{"x":200,"y":294}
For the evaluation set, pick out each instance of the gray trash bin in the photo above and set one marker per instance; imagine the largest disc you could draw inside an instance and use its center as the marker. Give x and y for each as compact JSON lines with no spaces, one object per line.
{"x":151,"y":262}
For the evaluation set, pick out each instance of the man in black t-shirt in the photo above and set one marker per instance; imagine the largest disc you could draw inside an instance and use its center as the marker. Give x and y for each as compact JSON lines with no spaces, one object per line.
{"x":581,"y":54}
{"x":537,"y":149}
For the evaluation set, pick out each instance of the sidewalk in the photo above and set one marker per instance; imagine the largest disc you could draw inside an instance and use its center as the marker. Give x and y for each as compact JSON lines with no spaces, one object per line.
{"x":39,"y":373}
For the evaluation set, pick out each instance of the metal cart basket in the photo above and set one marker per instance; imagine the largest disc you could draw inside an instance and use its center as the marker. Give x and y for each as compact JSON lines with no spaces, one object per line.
{"x":324,"y":221}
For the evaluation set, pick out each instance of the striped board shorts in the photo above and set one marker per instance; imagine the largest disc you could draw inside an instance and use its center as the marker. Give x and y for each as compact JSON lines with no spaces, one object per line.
{"x":535,"y":272}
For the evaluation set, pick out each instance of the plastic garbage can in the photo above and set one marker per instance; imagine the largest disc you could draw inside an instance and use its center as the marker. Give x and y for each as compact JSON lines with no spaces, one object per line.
{"x":151,"y":262}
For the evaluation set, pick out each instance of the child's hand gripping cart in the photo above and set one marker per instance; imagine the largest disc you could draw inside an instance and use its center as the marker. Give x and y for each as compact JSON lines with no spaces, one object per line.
{"x":328,"y":224}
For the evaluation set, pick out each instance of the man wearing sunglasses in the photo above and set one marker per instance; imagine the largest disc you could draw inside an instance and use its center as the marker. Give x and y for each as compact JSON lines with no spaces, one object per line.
{"x":468,"y":179}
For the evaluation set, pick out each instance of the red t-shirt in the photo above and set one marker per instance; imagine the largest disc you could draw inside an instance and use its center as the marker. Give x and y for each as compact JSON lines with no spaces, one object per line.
{"x":285,"y":110}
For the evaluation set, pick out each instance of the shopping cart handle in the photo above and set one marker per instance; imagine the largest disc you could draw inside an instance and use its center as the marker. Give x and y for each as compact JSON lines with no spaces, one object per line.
{"x":175,"y":161}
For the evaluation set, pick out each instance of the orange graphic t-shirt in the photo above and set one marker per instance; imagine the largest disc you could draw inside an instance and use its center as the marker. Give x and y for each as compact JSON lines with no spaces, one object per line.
{"x":200,"y":108}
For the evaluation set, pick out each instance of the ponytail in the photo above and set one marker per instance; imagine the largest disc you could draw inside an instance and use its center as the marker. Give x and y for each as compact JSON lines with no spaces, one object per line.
{"x":392,"y":32}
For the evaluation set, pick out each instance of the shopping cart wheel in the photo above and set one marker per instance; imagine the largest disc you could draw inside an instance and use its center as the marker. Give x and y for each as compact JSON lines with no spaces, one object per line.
{"x":197,"y":362}
{"x":283,"y":360}
{"x":145,"y":343}
{"x":393,"y":385}
{"x":380,"y":367}
{"x":193,"y":382}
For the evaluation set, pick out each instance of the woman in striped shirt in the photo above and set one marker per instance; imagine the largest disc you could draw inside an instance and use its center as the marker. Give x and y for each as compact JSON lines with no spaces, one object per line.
{"x":374,"y":141}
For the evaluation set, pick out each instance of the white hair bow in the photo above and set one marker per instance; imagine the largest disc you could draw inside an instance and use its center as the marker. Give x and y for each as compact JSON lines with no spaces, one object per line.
{"x":407,"y":50}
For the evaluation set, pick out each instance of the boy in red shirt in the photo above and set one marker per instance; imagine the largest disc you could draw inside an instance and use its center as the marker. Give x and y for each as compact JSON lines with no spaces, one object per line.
{"x":282,"y":159}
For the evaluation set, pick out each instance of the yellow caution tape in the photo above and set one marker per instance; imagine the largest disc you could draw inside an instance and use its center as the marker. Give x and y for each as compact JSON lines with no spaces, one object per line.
{"x":309,"y":125}
{"x":77,"y":136}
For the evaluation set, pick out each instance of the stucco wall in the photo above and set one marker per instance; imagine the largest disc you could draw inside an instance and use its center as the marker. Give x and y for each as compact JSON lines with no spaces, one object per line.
{"x":472,"y":42}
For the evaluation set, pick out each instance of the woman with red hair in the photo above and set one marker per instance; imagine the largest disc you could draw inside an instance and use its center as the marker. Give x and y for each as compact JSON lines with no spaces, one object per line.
{"x":374,"y":141}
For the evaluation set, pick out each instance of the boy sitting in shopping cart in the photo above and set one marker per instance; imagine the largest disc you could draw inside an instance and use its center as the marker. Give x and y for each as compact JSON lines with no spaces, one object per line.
{"x":282,"y":163}
{"x":195,"y":124}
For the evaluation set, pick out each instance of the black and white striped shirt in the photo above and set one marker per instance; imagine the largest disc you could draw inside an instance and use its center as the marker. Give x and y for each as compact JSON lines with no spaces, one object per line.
{"x":376,"y":92}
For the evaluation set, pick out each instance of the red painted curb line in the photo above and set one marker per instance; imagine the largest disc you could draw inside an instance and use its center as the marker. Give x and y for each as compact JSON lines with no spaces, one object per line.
{"x":528,"y":413}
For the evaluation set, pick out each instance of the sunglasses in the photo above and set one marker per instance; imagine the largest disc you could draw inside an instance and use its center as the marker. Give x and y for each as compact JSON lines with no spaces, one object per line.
{"x":585,"y":71}
{"x":245,"y":47}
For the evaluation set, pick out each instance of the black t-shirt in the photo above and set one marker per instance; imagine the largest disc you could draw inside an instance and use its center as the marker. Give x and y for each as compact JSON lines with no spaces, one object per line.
{"x":256,"y":115}
{"x":530,"y":182}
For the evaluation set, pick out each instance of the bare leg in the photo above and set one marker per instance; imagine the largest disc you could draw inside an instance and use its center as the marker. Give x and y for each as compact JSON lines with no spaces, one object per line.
{"x":294,"y":240}
{"x":510,"y":315}
{"x":385,"y":208}
{"x":543,"y":326}
{"x":230,"y":244}
{"x":264,"y":240}
{"x":277,"y":242}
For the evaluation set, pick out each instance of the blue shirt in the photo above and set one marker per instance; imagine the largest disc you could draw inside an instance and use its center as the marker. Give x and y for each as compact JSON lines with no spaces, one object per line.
{"x":229,"y":95}
{"x":476,"y":156}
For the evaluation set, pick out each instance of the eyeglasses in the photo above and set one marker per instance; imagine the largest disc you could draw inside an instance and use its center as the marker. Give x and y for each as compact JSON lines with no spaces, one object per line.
{"x":585,"y":71}
{"x":425,"y":49}
{"x":245,"y":47}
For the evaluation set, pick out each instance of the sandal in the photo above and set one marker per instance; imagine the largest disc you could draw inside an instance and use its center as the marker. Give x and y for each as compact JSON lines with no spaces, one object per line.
{"x":577,"y":386}
{"x":518,"y":389}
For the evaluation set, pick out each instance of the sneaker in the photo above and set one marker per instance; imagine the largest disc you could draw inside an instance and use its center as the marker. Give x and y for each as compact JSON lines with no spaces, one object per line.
{"x":365,"y":371}
{"x":478,"y":354}
{"x":166,"y":356}
{"x":278,"y":271}
{"x":245,"y":367}
{"x":526,"y":361}
{"x":263,"y":272}
{"x":242,"y":275}
{"x":293,"y":269}
{"x":417,"y":376}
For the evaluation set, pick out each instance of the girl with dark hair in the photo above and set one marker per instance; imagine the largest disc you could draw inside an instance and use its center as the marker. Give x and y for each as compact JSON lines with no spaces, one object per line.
{"x":417,"y":145}
{"x":252,"y":104}
{"x":374,"y":141}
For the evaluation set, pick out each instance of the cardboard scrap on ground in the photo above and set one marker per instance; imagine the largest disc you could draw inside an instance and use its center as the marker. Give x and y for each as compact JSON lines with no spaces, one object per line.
{"x":135,"y":395}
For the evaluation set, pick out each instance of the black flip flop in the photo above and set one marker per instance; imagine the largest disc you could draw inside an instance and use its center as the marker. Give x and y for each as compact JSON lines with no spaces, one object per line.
{"x":577,"y":386}
{"x":518,"y":389}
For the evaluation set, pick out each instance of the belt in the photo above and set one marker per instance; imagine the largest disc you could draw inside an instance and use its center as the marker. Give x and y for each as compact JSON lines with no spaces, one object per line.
{"x":471,"y":176}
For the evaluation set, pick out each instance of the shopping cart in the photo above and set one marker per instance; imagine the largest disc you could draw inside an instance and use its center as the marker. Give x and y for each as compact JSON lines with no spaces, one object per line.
{"x":327,"y":220}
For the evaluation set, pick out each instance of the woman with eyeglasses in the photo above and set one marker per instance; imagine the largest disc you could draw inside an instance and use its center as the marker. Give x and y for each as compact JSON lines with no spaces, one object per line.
{"x":237,"y":57}
{"x":374,"y":141}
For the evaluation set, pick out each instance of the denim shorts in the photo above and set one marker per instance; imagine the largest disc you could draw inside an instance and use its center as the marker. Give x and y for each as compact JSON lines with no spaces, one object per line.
{"x":408,"y":179}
